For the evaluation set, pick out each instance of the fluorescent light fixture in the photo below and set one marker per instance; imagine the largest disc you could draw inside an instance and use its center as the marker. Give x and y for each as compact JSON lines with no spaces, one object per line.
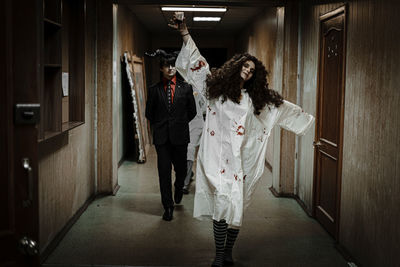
{"x":199,"y":9}
{"x":206,"y":18}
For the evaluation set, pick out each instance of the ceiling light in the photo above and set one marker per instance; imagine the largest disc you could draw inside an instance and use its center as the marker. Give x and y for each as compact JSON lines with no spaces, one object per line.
{"x":199,"y":9}
{"x":206,"y":18}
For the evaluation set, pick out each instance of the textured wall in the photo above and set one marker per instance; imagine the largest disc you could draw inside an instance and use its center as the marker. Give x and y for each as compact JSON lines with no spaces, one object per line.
{"x":132,"y":37}
{"x":260,"y":40}
{"x":370,"y":190}
{"x":106,"y":101}
{"x":275,"y":139}
{"x":289,"y":92}
{"x":370,"y":203}
{"x":66,"y":169}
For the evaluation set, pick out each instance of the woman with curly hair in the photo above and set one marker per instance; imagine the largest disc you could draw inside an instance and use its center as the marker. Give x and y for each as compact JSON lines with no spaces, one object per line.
{"x":241,"y":112}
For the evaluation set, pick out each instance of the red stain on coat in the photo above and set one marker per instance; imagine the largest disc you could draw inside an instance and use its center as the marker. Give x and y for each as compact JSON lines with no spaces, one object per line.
{"x":240,"y":130}
{"x":201,"y":64}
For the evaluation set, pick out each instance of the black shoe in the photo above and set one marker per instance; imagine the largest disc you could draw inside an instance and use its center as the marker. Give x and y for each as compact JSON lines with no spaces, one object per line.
{"x":168,"y":214}
{"x":185,"y":191}
{"x":178,"y":196}
{"x":228,"y":260}
{"x":217,"y":263}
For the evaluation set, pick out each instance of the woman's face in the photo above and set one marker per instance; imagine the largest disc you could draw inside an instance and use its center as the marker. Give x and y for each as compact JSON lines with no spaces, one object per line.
{"x":248,"y":70}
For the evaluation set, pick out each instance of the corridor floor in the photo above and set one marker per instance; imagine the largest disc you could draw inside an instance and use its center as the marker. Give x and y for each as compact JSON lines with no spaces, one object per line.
{"x":127,"y":230}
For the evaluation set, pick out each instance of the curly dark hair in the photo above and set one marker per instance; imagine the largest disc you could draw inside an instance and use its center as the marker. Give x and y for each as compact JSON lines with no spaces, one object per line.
{"x":225,"y":82}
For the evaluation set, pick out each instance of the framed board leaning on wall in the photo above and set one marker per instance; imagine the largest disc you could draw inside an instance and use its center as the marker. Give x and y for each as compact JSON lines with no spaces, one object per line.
{"x":136,"y":77}
{"x":141,"y":90}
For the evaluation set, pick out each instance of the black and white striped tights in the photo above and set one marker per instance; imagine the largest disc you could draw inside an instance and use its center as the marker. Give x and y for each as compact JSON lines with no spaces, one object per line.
{"x":224,"y":238}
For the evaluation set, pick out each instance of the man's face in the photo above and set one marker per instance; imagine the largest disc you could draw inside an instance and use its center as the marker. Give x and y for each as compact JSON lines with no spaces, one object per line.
{"x":168,"y":71}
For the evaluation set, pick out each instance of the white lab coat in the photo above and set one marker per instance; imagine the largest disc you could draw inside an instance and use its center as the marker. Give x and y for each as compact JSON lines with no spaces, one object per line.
{"x":196,"y":125}
{"x":233,"y":145}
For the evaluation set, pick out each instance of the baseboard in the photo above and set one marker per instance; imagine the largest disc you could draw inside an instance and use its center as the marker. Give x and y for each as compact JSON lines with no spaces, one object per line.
{"x":121,"y":161}
{"x":269,"y":167}
{"x":346,"y":255}
{"x":276,"y":194}
{"x":116,"y":188}
{"x":342,"y":250}
{"x":61,"y":234}
{"x":303,"y":206}
{"x":291,"y":195}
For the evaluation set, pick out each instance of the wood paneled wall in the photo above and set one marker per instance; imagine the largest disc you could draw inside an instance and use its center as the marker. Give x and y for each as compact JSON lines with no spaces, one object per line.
{"x":370,"y":191}
{"x":66,"y":167}
{"x":370,"y":204}
{"x":274,"y":144}
{"x":260,"y":40}
{"x":289,"y":92}
{"x":272,"y":37}
{"x":132,"y":37}
{"x":107,"y":162}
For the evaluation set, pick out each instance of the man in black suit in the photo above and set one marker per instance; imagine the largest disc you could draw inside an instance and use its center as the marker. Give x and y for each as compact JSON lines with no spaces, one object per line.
{"x":170,"y":107}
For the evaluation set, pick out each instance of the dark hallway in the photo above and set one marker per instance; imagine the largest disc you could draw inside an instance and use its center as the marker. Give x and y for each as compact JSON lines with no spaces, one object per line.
{"x":79,"y":183}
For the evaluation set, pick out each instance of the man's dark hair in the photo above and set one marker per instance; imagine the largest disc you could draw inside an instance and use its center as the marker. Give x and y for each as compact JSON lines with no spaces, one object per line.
{"x":166,"y":59}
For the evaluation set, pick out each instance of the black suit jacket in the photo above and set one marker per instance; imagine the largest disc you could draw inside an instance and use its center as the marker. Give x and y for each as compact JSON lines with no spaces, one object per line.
{"x":173,"y":125}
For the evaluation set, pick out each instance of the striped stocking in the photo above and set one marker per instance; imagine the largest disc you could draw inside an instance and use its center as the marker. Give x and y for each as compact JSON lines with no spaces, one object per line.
{"x":219,"y":238}
{"x":230,"y":241}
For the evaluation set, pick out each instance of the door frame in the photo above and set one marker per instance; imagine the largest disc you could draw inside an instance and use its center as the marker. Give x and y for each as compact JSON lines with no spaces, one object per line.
{"x":331,"y":14}
{"x":21,"y":80}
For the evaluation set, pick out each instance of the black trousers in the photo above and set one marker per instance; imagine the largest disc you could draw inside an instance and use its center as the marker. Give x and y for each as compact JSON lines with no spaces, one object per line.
{"x":168,"y":155}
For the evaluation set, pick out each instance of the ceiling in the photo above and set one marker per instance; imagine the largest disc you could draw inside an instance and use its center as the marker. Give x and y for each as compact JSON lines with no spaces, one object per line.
{"x":239,"y":14}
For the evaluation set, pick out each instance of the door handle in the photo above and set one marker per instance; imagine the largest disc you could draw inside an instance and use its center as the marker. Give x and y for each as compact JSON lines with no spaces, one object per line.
{"x":28,"y":246}
{"x":317,"y":144}
{"x":27,"y":167}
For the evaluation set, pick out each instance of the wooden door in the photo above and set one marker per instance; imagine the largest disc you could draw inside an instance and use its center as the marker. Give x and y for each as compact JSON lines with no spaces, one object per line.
{"x":329,"y":123}
{"x":19,"y":79}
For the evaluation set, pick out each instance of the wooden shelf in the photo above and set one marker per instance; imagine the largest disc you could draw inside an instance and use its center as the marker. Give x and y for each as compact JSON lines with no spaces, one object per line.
{"x":63,"y":51}
{"x":52,"y":47}
{"x":48,"y":135}
{"x":52,"y":10}
{"x":52,"y":23}
{"x":67,"y":126}
{"x":51,"y":66}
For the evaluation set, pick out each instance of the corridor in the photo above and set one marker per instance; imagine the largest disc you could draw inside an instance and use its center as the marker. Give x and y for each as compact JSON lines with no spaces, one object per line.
{"x":127,"y":230}
{"x":76,"y":79}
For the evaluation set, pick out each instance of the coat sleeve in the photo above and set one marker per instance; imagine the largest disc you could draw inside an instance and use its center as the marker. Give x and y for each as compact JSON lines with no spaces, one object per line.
{"x":192,"y":66}
{"x":292,"y":118}
{"x":149,"y":113}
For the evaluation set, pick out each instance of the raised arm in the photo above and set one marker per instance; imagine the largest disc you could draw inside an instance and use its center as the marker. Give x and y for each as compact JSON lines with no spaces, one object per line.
{"x":181,"y":26}
{"x":190,"y":64}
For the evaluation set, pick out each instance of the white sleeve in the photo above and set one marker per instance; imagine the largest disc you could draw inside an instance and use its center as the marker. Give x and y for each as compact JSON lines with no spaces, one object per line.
{"x":292,"y":118}
{"x":192,"y":66}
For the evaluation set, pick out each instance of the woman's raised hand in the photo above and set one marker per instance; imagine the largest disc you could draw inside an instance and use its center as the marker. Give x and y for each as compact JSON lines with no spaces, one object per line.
{"x":177,"y":22}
